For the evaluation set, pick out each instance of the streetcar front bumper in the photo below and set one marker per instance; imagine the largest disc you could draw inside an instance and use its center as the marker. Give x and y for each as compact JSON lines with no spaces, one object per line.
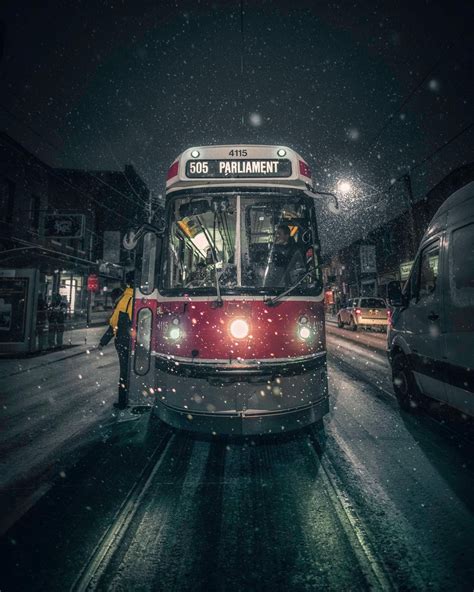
{"x":244,"y":402}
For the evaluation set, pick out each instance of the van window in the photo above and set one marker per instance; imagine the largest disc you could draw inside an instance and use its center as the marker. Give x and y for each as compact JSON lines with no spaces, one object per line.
{"x":428,"y":273}
{"x":461,"y":266}
{"x":411,"y":286}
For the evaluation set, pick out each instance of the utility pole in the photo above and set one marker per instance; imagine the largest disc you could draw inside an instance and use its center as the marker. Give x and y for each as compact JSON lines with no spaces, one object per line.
{"x":410,"y":202}
{"x":149,"y":207}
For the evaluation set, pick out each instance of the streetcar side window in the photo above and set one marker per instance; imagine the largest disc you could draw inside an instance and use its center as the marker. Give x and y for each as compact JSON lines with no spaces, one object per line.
{"x":147,"y":282}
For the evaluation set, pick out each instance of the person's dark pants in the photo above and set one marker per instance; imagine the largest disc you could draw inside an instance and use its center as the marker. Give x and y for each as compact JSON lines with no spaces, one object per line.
{"x":123,"y":351}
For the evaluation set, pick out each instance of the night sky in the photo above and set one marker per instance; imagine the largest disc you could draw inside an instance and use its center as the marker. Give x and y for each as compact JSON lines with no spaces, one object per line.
{"x":363,"y":90}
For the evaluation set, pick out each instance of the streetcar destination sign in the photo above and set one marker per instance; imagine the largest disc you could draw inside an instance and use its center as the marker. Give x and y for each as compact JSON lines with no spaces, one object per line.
{"x":238,"y":169}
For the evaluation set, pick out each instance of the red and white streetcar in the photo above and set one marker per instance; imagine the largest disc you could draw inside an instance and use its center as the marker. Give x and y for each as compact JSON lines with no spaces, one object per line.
{"x":229,"y":308}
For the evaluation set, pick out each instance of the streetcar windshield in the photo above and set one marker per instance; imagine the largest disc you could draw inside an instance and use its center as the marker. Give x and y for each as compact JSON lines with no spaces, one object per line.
{"x":246,"y":243}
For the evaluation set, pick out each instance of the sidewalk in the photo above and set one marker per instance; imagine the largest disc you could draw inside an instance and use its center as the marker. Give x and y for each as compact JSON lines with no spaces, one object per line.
{"x":76,"y":342}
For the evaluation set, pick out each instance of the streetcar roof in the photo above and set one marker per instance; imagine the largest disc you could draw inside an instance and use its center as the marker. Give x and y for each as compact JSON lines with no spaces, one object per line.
{"x":238,"y":165}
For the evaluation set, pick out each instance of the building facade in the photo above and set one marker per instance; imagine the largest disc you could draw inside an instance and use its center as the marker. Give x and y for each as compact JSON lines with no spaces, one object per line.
{"x":386,"y":253}
{"x":58,"y":229}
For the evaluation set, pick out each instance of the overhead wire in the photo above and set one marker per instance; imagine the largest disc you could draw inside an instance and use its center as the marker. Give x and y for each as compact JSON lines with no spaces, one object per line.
{"x":242,"y":94}
{"x":54,"y":173}
{"x":427,"y":158}
{"x":122,"y":172}
{"x":447,"y":143}
{"x":57,"y":149}
{"x":375,"y":140}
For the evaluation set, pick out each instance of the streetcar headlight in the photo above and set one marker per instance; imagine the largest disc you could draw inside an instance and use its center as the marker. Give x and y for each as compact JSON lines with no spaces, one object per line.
{"x":239,"y":328}
{"x":175,"y":333}
{"x":195,"y":153}
{"x":281,"y":152}
{"x":304,"y":332}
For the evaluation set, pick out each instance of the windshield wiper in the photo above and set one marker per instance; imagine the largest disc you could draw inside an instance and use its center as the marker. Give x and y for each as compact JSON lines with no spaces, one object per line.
{"x":218,"y":302}
{"x":275,"y":299}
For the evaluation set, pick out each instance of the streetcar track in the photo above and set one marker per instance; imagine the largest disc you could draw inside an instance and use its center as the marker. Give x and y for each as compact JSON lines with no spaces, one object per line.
{"x":90,"y":575}
{"x":372,"y":565}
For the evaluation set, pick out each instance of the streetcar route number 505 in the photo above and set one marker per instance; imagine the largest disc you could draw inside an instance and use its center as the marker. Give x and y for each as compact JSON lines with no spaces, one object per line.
{"x":198,"y":167}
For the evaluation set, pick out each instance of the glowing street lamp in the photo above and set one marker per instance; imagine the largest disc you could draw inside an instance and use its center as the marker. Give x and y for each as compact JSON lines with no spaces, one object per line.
{"x":344,"y":186}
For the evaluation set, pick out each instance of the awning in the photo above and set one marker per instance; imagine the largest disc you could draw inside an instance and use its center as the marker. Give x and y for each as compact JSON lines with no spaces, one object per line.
{"x":47,"y":260}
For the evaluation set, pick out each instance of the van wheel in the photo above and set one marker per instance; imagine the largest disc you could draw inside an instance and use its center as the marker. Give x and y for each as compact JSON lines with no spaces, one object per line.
{"x":404,"y":384}
{"x":340,"y":324}
{"x":352,"y":325}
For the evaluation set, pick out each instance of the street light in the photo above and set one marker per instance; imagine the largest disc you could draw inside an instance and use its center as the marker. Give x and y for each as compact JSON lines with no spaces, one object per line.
{"x":356,"y":187}
{"x":344,"y":186}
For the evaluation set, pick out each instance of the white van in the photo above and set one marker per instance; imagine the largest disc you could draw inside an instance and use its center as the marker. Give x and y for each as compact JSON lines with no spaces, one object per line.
{"x":431,"y":334}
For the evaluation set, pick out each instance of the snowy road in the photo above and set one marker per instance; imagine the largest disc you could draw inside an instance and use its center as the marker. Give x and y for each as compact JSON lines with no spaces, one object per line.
{"x":52,"y":407}
{"x":378,"y":500}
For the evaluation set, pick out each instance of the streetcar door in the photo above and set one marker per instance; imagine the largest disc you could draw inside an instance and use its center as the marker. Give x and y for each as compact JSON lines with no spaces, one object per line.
{"x":141,"y":375}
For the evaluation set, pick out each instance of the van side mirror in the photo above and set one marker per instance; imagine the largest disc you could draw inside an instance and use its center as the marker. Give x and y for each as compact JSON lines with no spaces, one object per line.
{"x":396,"y":298}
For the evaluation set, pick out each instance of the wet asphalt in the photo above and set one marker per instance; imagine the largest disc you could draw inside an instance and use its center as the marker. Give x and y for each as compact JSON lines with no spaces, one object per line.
{"x":375,"y":499}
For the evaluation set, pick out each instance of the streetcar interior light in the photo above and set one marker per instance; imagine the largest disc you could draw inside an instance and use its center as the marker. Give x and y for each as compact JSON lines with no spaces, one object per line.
{"x":175,"y":333}
{"x":239,"y":328}
{"x":195,"y":153}
{"x":281,"y":152}
{"x":304,"y":332}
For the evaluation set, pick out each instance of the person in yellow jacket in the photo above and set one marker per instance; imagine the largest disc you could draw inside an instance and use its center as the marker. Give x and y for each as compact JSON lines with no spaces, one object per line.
{"x":120,"y":324}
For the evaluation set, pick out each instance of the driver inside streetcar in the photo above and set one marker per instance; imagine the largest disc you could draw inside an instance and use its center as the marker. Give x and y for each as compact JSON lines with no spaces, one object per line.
{"x":286,"y":264}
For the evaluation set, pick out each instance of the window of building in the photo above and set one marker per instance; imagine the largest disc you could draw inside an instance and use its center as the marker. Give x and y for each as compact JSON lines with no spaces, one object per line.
{"x":7,"y":198}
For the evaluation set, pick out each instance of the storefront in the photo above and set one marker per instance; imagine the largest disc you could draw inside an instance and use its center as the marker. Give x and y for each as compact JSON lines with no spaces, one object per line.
{"x":110,"y":278}
{"x":32,"y":282}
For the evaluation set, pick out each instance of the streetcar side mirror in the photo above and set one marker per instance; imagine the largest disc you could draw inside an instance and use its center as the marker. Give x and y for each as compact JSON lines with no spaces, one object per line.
{"x":130,"y":240}
{"x":334,"y":204}
{"x":133,"y":236}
